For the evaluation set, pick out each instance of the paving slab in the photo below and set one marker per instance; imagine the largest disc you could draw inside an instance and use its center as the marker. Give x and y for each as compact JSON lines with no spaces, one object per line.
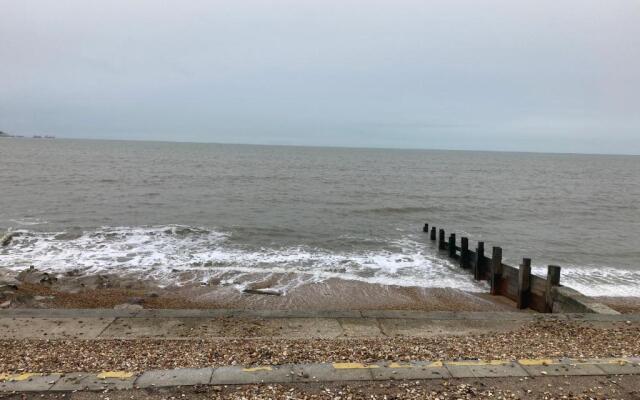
{"x":176,"y":328}
{"x":301,"y":313}
{"x":411,"y":371}
{"x":52,"y":328}
{"x":304,"y":327}
{"x":175,"y":377}
{"x":324,"y":372}
{"x":629,"y":383}
{"x":87,"y":381}
{"x":163,"y":313}
{"x":65,"y":313}
{"x":503,"y":316}
{"x":408,"y":314}
{"x":389,"y":314}
{"x":430,"y":328}
{"x":360,"y":327}
{"x":484,"y":369}
{"x":129,"y":328}
{"x":619,"y":369}
{"x":29,"y":383}
{"x":609,"y":324}
{"x":617,"y":366}
{"x":603,"y":317}
{"x":553,"y":367}
{"x":237,"y":375}
{"x":333,"y":372}
{"x":184,"y":327}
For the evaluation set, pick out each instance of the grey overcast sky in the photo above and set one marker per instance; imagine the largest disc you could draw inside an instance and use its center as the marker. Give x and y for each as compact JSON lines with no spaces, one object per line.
{"x":556,"y":75}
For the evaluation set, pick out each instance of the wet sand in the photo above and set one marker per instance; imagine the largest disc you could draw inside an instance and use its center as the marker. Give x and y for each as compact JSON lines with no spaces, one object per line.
{"x":623,"y":305}
{"x":36,"y":289}
{"x":39,"y":290}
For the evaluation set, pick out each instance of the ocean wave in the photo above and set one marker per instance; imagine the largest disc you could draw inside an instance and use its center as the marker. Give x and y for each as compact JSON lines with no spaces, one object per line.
{"x":164,"y":253}
{"x":29,"y":221}
{"x":396,"y":210}
{"x":175,"y":254}
{"x":597,"y":281}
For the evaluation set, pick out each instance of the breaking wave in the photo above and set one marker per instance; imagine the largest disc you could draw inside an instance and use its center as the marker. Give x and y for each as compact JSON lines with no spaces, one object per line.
{"x":175,"y":254}
{"x":598,"y":281}
{"x":165,"y":253}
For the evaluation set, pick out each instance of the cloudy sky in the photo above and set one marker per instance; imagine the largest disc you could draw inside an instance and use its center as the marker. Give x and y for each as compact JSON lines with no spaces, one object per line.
{"x":479,"y":74}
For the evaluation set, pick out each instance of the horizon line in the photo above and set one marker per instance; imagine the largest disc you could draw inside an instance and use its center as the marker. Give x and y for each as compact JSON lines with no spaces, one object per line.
{"x":324,"y":146}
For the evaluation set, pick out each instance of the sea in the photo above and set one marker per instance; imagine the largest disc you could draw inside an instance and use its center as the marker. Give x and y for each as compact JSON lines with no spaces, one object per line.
{"x":181,"y":213}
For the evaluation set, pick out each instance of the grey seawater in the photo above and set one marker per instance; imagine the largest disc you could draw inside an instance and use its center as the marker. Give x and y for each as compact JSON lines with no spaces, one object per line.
{"x":237,"y":213}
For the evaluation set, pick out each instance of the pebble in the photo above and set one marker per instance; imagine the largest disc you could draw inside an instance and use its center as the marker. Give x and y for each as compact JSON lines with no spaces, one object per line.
{"x":546,"y":339}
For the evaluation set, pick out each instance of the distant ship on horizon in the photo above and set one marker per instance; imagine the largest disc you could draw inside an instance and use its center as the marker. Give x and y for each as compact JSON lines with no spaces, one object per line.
{"x":7,"y":135}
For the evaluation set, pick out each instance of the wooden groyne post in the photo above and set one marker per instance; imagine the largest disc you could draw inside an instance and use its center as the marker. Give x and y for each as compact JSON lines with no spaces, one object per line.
{"x":452,"y":245}
{"x":517,"y":284}
{"x":441,"y":243}
{"x":524,"y":283}
{"x":553,"y":279}
{"x":464,"y":252}
{"x":479,"y":264}
{"x":496,"y":269}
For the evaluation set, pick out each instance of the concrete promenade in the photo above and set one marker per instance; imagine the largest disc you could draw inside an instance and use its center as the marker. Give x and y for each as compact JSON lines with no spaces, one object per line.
{"x":325,"y":372}
{"x":104,"y":324}
{"x":199,"y":324}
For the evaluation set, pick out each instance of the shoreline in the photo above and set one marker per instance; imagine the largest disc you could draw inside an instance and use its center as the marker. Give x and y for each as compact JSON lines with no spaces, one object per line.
{"x":35,"y":289}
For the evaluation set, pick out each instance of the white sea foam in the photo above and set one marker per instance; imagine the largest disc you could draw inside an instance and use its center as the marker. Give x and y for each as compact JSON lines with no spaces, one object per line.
{"x":597,"y":281}
{"x":29,"y":221}
{"x":164,"y":253}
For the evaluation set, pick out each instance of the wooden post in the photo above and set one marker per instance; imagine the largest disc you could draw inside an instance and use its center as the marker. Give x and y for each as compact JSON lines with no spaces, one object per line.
{"x":433,"y":233}
{"x":477,"y":268}
{"x":524,"y":283}
{"x":464,"y":252}
{"x":441,"y":240}
{"x":553,"y":279}
{"x":452,"y":245}
{"x":425,"y":228}
{"x":496,"y":269}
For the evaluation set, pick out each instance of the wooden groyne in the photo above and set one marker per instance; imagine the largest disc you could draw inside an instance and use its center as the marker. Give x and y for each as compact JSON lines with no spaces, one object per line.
{"x":518,"y":284}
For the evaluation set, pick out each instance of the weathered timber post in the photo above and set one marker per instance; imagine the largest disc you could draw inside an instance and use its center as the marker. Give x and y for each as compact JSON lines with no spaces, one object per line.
{"x":496,"y":269}
{"x":477,"y":268}
{"x":433,"y":233}
{"x":553,"y":279}
{"x":425,"y":228}
{"x":524,"y":283}
{"x":464,"y":252}
{"x":441,"y":240}
{"x":452,"y":245}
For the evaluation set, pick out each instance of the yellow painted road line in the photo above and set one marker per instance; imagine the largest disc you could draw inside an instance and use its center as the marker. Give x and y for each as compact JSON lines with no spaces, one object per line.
{"x":478,"y":362}
{"x":570,"y":361}
{"x":18,"y":377}
{"x":537,"y":361}
{"x":115,"y":375}
{"x":254,"y":369}
{"x":433,"y":364}
{"x":618,"y":361}
{"x":398,"y":365}
{"x":353,"y":366}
